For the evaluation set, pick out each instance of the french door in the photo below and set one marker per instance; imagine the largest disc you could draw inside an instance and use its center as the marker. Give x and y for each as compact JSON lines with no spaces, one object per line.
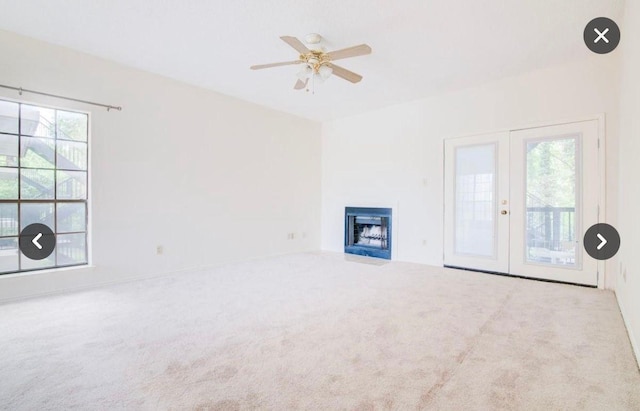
{"x":519,"y":202}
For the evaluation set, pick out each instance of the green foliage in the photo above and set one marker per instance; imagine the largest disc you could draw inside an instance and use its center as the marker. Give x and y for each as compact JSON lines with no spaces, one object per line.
{"x":551,"y":173}
{"x":72,"y":125}
{"x":8,"y":186}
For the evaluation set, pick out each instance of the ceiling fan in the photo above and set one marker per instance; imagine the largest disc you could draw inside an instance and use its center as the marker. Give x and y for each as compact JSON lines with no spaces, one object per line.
{"x":318,"y":64}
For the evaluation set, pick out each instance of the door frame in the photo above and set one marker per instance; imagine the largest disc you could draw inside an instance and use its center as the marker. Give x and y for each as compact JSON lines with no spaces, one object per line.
{"x":602,"y":176}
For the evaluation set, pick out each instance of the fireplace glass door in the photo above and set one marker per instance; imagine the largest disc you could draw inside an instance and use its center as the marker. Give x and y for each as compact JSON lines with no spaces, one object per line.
{"x":368,"y":231}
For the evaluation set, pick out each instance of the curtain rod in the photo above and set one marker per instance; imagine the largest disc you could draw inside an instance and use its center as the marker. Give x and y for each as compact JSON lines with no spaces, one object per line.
{"x":21,"y":90}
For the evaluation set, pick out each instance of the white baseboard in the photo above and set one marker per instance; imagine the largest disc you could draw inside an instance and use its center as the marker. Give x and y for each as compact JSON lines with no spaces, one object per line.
{"x":94,"y":285}
{"x":100,"y":284}
{"x":634,"y":344}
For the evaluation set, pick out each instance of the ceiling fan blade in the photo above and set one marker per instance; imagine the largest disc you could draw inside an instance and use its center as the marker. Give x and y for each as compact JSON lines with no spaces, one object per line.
{"x":284,"y":63}
{"x":345,"y":74}
{"x":354,"y":51}
{"x":296,"y":44}
{"x":301,"y":84}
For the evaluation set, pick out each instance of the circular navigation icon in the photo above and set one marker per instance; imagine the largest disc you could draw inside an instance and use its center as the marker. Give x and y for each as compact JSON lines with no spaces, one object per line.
{"x":37,"y":241}
{"x":601,"y":241}
{"x":602,"y":35}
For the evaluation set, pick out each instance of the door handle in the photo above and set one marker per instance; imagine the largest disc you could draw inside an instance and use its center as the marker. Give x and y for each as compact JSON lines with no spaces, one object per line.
{"x":504,"y":212}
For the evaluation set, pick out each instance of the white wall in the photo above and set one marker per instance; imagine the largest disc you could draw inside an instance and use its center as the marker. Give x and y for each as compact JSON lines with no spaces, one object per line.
{"x":211,"y":178}
{"x":628,"y":285}
{"x":395,"y":155}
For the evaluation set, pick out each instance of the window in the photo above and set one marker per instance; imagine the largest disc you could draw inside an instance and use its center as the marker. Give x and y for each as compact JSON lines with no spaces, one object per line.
{"x":43,"y":179}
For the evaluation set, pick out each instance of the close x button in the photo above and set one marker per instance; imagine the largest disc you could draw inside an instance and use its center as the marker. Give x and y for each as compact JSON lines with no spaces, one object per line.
{"x":602,"y":35}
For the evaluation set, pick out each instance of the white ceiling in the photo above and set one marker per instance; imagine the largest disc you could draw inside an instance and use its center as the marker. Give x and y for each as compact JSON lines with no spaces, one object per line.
{"x":420,"y":47}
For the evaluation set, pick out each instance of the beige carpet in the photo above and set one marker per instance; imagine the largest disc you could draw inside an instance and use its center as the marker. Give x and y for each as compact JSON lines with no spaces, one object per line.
{"x":315,"y":331}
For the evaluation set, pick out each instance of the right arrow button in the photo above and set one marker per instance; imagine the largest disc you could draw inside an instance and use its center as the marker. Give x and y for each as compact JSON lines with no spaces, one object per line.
{"x":597,"y":237}
{"x":603,"y":241}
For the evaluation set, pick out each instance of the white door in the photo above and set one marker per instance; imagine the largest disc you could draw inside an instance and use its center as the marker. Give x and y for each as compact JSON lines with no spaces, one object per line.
{"x":477,"y":182}
{"x":519,"y":202}
{"x":554,"y":200}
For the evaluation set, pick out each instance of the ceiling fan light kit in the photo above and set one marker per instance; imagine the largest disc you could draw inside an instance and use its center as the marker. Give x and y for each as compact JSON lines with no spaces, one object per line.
{"x":325,"y":72}
{"x":318,"y":64}
{"x":313,"y":38}
{"x":304,"y":74}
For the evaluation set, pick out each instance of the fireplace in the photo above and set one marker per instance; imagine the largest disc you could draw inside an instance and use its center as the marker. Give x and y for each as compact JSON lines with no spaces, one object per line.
{"x":367,"y":231}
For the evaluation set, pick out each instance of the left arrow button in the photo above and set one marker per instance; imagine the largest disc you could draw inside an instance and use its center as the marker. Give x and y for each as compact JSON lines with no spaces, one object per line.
{"x":37,"y":241}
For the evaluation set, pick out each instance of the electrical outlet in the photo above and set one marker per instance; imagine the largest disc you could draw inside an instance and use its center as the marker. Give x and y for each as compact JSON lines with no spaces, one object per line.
{"x":159,"y":250}
{"x":424,"y":243}
{"x":291,"y":236}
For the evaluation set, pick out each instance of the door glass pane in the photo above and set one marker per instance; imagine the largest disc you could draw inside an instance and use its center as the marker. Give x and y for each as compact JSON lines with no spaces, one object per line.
{"x":551,"y":186}
{"x":475,"y":200}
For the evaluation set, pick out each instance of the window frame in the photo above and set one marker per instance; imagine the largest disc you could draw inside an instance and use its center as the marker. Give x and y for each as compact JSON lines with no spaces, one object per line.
{"x":54,"y":201}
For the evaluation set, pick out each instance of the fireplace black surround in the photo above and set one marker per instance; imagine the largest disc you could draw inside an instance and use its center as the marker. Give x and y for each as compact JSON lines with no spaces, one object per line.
{"x":367,"y":231}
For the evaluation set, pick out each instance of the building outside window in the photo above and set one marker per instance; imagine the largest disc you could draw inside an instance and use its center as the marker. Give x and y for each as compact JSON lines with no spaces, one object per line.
{"x":43,"y":179}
